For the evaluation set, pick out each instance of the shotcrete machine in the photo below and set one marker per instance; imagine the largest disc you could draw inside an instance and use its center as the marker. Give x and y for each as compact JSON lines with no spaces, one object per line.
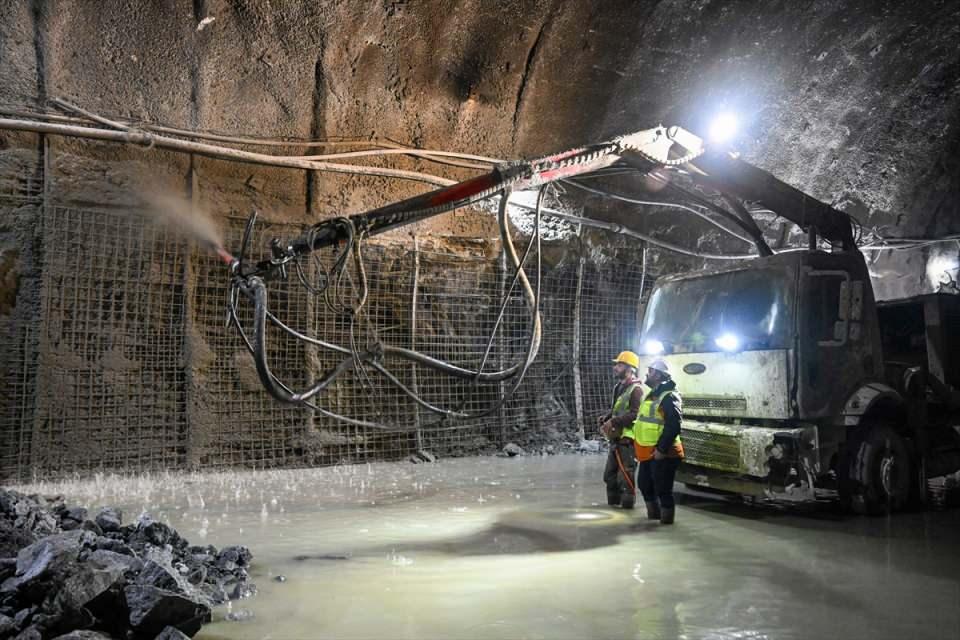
{"x":797,"y":384}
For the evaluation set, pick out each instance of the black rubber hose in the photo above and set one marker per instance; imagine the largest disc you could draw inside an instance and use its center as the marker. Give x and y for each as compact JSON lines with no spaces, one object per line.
{"x":310,"y":405}
{"x":256,"y":290}
{"x":408,"y":354}
{"x":466,"y":374}
{"x":757,"y":233}
{"x":533,"y":303}
{"x":281,"y":391}
{"x":452,"y":369}
{"x":450,"y":413}
{"x":532,"y":297}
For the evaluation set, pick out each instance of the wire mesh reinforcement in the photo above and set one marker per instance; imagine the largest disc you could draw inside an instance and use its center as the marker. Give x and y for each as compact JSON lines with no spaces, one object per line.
{"x":130,"y":364}
{"x":109,"y":389}
{"x":21,"y":178}
{"x":21,"y":189}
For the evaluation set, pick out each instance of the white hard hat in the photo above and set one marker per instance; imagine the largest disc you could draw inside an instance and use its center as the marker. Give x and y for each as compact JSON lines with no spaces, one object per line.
{"x":660,"y":365}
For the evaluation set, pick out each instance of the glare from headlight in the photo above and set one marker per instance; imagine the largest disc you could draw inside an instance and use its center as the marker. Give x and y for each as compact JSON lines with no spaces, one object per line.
{"x":653,"y":347}
{"x":728,"y":342}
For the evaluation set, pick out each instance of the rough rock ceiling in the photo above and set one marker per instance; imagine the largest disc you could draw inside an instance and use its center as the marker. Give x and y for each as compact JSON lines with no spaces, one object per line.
{"x":856,"y":102}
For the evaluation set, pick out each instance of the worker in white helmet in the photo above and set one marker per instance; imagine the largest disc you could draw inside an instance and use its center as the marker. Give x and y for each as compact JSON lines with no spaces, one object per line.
{"x":659,"y":450}
{"x":620,"y":472}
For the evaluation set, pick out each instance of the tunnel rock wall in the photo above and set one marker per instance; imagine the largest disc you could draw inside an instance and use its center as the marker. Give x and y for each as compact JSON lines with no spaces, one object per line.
{"x":853,"y":102}
{"x":127,"y":364}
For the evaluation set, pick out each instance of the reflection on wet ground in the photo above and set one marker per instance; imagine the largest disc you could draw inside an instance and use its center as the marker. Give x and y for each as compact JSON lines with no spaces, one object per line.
{"x":526,"y":548}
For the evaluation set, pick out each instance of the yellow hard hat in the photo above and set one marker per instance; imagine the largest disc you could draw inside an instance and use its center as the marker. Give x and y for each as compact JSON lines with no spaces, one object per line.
{"x":629,"y":358}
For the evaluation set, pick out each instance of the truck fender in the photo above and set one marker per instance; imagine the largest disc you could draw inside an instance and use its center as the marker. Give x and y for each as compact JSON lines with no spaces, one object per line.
{"x":865,"y":399}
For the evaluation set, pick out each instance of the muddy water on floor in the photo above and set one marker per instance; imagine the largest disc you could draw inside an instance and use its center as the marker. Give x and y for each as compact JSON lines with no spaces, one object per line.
{"x":525,"y":548}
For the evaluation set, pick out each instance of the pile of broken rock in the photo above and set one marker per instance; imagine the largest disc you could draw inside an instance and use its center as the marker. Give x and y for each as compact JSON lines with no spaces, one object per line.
{"x":66,"y":575}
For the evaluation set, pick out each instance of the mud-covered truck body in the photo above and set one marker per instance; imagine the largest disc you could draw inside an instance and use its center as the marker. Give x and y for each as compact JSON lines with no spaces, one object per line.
{"x":797,"y":385}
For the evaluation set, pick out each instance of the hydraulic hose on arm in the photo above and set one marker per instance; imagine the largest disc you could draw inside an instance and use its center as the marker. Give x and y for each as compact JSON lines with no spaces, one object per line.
{"x":536,"y":332}
{"x":255,"y":289}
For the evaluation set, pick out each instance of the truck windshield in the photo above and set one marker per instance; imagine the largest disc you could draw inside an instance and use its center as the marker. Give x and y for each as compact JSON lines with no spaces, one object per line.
{"x":735,"y":311}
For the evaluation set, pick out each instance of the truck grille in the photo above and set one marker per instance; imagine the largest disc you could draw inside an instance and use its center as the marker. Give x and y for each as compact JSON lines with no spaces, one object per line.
{"x":713,"y":403}
{"x":712,"y":450}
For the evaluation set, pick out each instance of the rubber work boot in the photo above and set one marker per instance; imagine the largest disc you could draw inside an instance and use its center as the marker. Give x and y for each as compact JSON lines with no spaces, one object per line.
{"x":613,"y":498}
{"x":627,"y":501}
{"x":666,"y":515}
{"x":653,"y":511}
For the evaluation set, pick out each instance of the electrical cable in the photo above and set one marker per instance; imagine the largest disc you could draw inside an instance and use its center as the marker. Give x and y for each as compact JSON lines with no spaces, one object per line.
{"x":890,"y":243}
{"x":215,"y":151}
{"x":407,"y":354}
{"x":622,"y":198}
{"x":382,"y":146}
{"x":749,"y":225}
{"x":506,"y":296}
{"x":619,"y":228}
{"x":533,"y":301}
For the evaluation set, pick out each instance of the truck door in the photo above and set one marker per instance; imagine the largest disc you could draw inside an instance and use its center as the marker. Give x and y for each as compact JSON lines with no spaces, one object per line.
{"x":831,"y":329}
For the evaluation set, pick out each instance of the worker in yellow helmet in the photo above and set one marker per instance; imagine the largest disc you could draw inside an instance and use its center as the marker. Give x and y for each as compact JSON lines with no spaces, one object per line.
{"x":621,"y":469}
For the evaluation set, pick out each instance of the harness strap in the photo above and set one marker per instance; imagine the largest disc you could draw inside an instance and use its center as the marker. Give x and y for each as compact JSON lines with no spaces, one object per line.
{"x":626,"y":476}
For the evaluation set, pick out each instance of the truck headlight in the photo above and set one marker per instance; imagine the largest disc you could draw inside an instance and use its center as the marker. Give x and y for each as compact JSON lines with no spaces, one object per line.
{"x":728,"y":342}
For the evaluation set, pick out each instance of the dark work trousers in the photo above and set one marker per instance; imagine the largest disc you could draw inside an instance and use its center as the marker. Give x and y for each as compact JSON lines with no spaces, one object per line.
{"x":617,"y":486}
{"x":655,"y":480}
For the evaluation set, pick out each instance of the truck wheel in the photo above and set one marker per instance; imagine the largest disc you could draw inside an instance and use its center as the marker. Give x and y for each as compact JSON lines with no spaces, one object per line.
{"x":879,"y":475}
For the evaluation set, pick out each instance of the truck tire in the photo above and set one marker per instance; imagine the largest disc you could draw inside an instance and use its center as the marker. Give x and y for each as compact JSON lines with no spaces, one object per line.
{"x":879,"y":474}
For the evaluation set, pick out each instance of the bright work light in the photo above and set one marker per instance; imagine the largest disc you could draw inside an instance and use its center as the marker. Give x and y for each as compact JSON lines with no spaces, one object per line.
{"x":723,"y":127}
{"x":728,"y":342}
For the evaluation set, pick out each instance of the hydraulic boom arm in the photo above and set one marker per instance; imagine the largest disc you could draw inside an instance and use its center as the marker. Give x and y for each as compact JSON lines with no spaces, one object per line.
{"x":747,"y":182}
{"x":659,"y":146}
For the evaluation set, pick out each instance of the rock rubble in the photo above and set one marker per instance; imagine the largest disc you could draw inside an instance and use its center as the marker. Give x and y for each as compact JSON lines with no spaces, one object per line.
{"x":67,"y":575}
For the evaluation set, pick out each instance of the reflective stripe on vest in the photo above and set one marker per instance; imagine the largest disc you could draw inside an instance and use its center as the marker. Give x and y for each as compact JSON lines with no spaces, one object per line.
{"x":621,"y":406}
{"x":648,"y":426}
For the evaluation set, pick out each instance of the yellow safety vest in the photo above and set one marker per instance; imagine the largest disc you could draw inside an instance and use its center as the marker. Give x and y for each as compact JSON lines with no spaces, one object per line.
{"x":649,"y":423}
{"x":622,"y":405}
